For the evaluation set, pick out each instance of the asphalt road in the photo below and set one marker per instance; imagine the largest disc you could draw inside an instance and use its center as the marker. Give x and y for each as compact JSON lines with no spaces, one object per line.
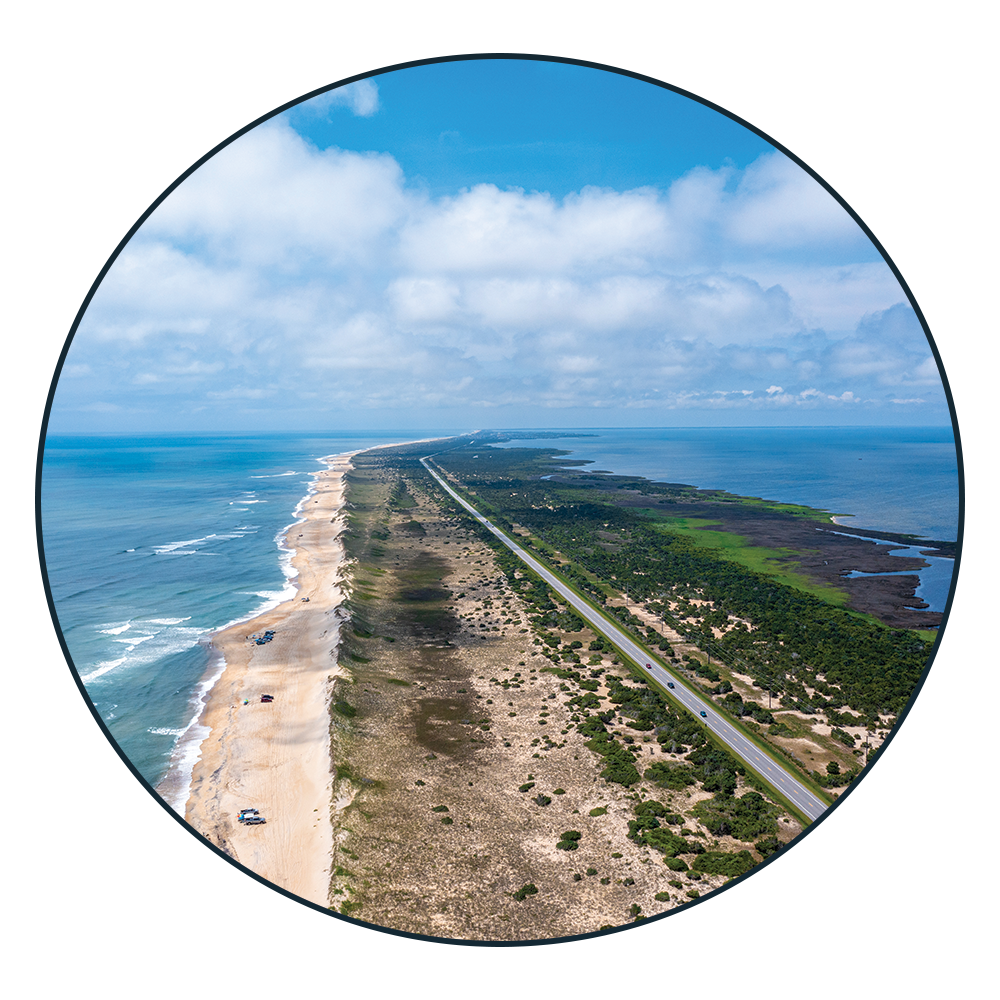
{"x":765,"y":766}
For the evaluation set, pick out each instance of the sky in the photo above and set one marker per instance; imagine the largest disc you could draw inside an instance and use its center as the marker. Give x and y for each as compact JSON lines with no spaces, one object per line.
{"x":498,"y":243}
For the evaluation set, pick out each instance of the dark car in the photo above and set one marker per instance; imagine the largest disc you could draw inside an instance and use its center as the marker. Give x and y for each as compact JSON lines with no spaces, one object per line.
{"x":670,"y":684}
{"x":704,"y":715}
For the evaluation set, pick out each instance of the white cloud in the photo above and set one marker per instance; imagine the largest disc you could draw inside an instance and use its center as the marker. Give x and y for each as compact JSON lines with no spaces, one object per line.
{"x":280,"y":271}
{"x":361,"y":98}
{"x":272,"y":200}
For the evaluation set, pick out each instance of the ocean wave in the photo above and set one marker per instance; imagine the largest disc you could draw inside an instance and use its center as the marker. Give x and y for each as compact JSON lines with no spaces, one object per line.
{"x":164,"y":731}
{"x":141,"y":652}
{"x":166,"y":621}
{"x":115,"y":629}
{"x":232,"y":502}
{"x":175,"y":786}
{"x":277,"y":475}
{"x":186,"y":547}
{"x":134,"y":640}
{"x":101,"y":669}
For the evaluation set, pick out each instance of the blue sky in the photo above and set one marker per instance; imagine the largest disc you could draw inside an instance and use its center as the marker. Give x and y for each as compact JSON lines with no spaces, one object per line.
{"x":498,"y":243}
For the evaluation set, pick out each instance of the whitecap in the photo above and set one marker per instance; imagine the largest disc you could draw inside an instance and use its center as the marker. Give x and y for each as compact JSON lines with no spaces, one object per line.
{"x":164,"y":731}
{"x":185,"y":548}
{"x":115,"y":629}
{"x":134,"y":640}
{"x":101,"y":669}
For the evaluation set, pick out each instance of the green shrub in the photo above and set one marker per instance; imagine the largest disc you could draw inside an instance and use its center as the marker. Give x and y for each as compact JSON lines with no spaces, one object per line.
{"x":542,"y":800}
{"x":723,"y":863}
{"x":675,"y":864}
{"x":345,"y":709}
{"x":746,"y":818}
{"x":591,"y":871}
{"x":693,"y":894}
{"x":676,"y":777}
{"x":527,"y":786}
{"x":439,"y":809}
{"x":528,"y":889}
{"x":768,"y":846}
{"x":662,"y":897}
{"x":447,"y":820}
{"x":599,"y":811}
{"x":559,"y":791}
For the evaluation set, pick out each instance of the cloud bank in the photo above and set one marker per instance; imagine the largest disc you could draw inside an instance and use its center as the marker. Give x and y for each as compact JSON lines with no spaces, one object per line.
{"x":282,"y":280}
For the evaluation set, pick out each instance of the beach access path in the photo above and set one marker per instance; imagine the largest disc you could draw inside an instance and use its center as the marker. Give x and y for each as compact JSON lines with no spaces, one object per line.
{"x":275,"y":757}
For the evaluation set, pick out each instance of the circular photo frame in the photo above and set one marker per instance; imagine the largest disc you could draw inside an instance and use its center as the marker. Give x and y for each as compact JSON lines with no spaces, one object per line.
{"x":480,"y":499}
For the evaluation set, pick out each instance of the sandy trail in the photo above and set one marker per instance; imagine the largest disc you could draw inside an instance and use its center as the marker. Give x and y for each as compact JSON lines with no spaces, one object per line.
{"x":276,"y":757}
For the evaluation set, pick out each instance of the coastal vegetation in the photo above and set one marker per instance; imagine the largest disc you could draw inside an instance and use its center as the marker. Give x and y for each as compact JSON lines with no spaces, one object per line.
{"x":474,"y":683}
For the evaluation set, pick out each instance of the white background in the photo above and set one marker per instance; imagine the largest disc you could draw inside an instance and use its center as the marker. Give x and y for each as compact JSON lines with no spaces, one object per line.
{"x":105,"y":104}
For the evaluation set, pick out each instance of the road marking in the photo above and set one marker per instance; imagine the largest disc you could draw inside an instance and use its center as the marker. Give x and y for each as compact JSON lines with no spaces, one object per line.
{"x":752,"y":755}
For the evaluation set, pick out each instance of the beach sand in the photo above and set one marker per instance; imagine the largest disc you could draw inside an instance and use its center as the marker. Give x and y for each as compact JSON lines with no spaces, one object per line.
{"x":276,"y":757}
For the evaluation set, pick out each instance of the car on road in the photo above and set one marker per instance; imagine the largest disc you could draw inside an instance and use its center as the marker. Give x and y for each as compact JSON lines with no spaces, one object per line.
{"x":670,"y":684}
{"x":704,"y":715}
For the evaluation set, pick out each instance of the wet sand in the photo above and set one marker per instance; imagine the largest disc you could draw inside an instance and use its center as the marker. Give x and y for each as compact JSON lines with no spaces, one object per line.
{"x":276,"y":757}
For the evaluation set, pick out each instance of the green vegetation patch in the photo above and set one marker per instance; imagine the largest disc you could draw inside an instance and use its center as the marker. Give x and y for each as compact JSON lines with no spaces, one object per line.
{"x":776,"y":563}
{"x":745,"y":818}
{"x":724,"y":863}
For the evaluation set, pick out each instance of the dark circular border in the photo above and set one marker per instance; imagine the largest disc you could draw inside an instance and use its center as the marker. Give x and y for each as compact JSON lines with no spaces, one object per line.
{"x":521,"y":57}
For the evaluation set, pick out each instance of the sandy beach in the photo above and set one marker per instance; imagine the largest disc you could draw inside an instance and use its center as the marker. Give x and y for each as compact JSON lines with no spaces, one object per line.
{"x":275,"y":757}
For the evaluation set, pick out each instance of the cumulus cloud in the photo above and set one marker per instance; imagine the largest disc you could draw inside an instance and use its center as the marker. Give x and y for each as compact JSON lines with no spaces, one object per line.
{"x":283,"y":272}
{"x":360,"y":98}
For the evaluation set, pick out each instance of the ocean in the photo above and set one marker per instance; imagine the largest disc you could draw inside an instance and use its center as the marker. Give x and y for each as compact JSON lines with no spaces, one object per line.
{"x":153,"y":542}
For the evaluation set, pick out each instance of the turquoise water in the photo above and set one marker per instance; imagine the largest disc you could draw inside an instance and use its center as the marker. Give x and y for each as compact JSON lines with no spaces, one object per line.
{"x":153,"y":542}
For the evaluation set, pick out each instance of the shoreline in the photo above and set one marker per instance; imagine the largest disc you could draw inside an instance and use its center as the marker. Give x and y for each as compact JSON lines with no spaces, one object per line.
{"x":276,"y":757}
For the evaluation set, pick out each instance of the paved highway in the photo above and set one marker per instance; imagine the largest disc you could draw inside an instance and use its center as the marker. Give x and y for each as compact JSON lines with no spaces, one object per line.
{"x":765,"y":766}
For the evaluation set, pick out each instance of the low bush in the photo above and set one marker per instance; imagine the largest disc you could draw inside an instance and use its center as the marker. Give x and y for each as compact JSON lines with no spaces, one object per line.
{"x":768,"y":846}
{"x":676,"y":777}
{"x":528,"y":889}
{"x":723,"y":863}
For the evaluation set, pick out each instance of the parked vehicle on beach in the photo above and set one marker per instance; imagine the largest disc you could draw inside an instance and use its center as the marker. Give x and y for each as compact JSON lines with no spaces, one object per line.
{"x":250,"y":817}
{"x":265,"y":698}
